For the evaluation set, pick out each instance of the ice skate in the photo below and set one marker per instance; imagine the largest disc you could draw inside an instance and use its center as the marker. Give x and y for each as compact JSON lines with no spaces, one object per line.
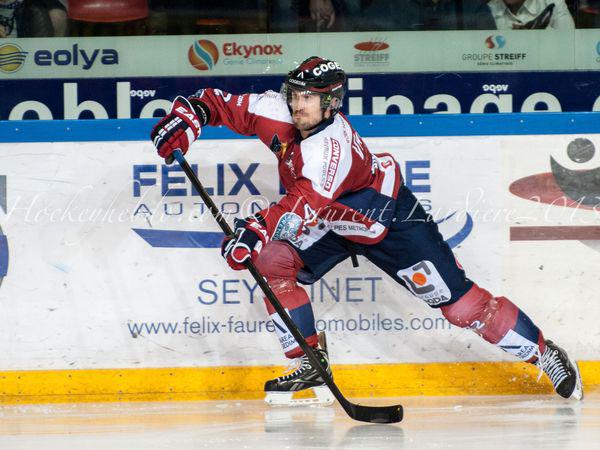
{"x":563,"y":372}
{"x":280,"y":391}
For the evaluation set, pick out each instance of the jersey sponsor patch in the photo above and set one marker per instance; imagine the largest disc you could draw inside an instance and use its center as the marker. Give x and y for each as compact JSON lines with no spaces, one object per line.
{"x":303,"y":318}
{"x":311,"y":233}
{"x":424,"y":281}
{"x":518,"y":345}
{"x":287,"y":341}
{"x":288,"y":227}
{"x":334,"y":163}
{"x":300,"y":233}
{"x":348,"y":228}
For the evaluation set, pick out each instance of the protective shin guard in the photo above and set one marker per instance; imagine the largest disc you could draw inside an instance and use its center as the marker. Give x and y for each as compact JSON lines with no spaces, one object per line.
{"x":498,"y":321}
{"x":279,"y":264}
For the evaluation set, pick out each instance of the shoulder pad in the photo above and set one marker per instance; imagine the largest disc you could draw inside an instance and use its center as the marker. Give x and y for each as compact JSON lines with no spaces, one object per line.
{"x":271,"y":105}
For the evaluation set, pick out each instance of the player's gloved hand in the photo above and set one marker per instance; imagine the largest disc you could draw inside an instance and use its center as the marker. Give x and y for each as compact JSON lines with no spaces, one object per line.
{"x":177,"y":130}
{"x":250,"y":237}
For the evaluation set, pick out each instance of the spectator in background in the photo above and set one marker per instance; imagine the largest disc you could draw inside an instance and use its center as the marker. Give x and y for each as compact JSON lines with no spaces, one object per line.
{"x":323,"y":13}
{"x":531,"y":14}
{"x":423,"y":15}
{"x":172,"y":17}
{"x":207,"y":16}
{"x":8,"y":17}
{"x":42,"y":18}
{"x":292,"y":16}
{"x":588,"y":14}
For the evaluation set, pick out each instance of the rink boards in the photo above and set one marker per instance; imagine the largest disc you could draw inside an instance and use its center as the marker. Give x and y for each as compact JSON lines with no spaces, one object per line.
{"x":113,"y":286}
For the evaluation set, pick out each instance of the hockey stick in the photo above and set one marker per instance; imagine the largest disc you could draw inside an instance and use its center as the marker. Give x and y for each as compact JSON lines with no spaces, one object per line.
{"x":375,"y":414}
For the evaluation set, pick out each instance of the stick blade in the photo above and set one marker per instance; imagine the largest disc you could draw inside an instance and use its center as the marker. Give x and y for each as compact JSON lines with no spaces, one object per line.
{"x":378,"y":414}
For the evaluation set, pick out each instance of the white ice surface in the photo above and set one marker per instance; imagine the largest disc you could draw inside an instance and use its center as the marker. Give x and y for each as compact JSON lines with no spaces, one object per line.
{"x":524,"y":422}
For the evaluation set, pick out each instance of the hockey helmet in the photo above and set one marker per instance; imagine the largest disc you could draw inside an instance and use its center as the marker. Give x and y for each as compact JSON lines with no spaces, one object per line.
{"x":317,"y":75}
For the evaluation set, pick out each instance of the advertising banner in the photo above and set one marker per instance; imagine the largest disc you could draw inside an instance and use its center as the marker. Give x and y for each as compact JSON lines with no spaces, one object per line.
{"x":391,"y":73}
{"x":108,"y":258}
{"x":436,"y":93}
{"x":263,"y":54}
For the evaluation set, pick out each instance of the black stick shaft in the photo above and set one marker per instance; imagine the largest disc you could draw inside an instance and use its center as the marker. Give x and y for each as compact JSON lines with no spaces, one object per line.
{"x":367,"y":414}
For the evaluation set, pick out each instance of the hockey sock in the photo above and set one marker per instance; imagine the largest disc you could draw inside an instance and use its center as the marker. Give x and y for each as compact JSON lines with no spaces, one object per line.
{"x":498,"y":321}
{"x":296,"y":302}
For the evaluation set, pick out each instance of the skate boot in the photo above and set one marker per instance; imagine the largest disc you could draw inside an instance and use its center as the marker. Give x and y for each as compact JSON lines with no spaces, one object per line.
{"x":280,"y":391}
{"x":563,"y":372}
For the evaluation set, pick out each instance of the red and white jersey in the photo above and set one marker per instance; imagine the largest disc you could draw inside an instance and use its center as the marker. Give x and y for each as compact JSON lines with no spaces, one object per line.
{"x":331,"y":179}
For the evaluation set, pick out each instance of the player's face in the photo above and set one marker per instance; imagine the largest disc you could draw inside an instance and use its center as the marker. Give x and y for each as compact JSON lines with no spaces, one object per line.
{"x":306,"y":110}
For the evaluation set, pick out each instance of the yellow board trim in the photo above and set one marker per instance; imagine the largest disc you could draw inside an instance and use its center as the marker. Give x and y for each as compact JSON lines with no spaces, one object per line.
{"x":244,"y":383}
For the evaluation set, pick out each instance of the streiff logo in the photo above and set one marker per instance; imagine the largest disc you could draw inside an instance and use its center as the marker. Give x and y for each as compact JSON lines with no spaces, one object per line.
{"x":495,"y":42}
{"x":372,"y":53}
{"x":371,"y":46}
{"x":563,"y":187}
{"x":203,"y":54}
{"x":3,"y":240}
{"x":12,"y":58}
{"x":495,"y":57}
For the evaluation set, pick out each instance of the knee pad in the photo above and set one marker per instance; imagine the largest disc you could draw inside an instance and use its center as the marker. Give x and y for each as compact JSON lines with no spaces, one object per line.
{"x":498,"y":321}
{"x":279,"y":263}
{"x":490,"y":317}
{"x":278,"y":260}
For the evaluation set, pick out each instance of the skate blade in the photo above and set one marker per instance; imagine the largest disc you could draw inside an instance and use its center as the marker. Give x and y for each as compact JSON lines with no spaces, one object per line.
{"x":578,"y":391}
{"x":322,"y":397}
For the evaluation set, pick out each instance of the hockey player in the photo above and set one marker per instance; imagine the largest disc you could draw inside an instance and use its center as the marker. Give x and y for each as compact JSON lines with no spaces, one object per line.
{"x":341,"y":200}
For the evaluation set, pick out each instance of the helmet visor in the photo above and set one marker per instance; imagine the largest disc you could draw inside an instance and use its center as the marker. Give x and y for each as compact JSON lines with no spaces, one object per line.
{"x":294,"y":94}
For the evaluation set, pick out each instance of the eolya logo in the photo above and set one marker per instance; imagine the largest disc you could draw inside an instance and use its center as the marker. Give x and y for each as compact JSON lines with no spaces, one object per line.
{"x":3,"y":240}
{"x":203,"y":54}
{"x":495,"y":42}
{"x":564,"y":187}
{"x":12,"y":58}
